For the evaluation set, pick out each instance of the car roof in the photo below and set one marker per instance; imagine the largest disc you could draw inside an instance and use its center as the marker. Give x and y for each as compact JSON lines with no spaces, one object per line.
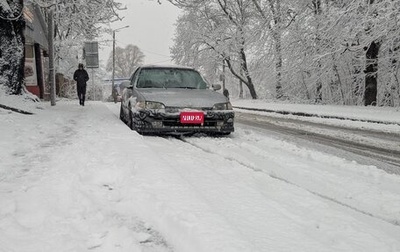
{"x":167,"y":66}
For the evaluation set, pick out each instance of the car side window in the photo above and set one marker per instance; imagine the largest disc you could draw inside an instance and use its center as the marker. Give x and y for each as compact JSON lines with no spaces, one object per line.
{"x":134,"y":77}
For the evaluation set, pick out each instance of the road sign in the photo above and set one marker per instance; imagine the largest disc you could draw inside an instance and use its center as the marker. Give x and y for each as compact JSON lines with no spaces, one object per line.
{"x":92,"y":54}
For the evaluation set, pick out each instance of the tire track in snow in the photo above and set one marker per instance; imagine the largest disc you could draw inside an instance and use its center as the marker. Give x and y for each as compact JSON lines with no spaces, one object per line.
{"x":325,"y":197}
{"x":381,"y":146}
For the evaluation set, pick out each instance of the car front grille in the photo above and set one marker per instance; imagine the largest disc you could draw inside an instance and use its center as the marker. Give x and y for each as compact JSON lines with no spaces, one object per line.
{"x":175,"y":123}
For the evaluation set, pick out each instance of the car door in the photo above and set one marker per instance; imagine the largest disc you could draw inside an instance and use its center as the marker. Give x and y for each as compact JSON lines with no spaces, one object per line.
{"x":131,"y":90}
{"x":128,"y":91}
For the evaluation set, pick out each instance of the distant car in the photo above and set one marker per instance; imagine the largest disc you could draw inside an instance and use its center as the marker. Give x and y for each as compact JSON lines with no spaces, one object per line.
{"x":118,"y":88}
{"x":174,"y":100}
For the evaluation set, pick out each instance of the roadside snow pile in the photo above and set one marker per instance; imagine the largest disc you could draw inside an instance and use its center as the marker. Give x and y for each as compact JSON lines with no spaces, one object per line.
{"x":359,"y":113}
{"x":26,"y":102}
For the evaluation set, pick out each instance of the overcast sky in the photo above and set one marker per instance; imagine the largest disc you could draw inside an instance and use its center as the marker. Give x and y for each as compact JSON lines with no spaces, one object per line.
{"x":151,"y":28}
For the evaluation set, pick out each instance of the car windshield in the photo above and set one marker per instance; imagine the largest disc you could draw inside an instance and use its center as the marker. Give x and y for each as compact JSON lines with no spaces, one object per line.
{"x":170,"y":78}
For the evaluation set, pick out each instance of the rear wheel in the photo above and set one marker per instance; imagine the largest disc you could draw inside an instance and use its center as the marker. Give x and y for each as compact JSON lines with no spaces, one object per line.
{"x":121,"y":114}
{"x":130,"y":121}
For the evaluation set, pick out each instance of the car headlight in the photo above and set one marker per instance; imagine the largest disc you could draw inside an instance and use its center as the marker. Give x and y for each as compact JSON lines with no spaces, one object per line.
{"x":223,"y":106}
{"x":149,"y":105}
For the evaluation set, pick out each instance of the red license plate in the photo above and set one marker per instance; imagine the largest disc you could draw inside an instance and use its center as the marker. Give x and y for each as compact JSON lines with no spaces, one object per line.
{"x":192,"y":117}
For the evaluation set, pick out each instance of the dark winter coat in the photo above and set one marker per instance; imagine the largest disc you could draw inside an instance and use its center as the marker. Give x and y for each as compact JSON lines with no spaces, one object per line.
{"x":81,"y":77}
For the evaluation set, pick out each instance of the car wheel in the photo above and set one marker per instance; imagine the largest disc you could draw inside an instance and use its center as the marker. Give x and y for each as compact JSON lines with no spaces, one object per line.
{"x":121,"y":114}
{"x":131,"y":123}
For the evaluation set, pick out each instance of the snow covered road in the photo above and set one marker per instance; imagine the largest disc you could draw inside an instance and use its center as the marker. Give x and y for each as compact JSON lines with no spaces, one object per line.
{"x":78,"y":179}
{"x":361,"y":141}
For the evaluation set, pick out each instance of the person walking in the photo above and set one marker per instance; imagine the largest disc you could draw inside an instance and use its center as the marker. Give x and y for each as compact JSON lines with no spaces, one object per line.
{"x":81,"y":77}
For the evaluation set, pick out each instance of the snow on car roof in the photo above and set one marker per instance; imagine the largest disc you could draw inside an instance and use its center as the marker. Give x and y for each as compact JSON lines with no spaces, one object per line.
{"x":167,"y":66}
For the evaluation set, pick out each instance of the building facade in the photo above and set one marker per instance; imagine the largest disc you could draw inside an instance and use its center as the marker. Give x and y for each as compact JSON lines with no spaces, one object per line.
{"x":36,"y":48}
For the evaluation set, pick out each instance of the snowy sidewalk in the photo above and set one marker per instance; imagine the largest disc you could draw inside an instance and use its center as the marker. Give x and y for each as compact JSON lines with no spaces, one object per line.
{"x":64,"y":182}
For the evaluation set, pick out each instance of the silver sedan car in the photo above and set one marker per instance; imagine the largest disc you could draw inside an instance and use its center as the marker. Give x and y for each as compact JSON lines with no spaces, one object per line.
{"x":174,"y":100}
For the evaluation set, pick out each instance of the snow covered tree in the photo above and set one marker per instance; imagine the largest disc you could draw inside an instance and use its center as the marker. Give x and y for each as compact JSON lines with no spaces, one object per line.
{"x":382,"y":52}
{"x":214,"y":33}
{"x":329,"y":51}
{"x":12,"y":44}
{"x":371,"y":68}
{"x":75,"y":22}
{"x":126,"y":60}
{"x":270,"y":11}
{"x":238,"y":16}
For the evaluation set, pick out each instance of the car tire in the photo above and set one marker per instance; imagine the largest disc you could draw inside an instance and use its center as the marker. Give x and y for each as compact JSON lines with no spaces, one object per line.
{"x":130,"y":121}
{"x":121,"y":114}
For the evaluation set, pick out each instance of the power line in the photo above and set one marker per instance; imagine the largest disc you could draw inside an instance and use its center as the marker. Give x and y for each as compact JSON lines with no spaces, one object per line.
{"x":148,"y":51}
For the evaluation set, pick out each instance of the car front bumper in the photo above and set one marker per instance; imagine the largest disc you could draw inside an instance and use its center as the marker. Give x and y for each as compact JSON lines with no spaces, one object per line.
{"x":150,"y":122}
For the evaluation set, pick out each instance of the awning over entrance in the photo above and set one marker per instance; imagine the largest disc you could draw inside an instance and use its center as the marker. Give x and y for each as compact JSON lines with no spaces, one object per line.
{"x":36,"y":29}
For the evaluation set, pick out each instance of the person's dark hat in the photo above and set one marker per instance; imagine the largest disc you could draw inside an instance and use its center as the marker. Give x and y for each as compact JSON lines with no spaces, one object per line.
{"x":80,"y":65}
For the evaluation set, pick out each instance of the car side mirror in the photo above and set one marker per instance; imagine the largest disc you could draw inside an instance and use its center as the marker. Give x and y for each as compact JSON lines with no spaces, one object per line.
{"x":226,"y":93}
{"x":216,"y":87}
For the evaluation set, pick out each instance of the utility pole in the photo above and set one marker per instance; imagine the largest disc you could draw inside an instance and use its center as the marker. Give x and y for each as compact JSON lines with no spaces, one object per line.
{"x":224,"y":72}
{"x":94,"y":86}
{"x":52,"y":76}
{"x":113,"y":94}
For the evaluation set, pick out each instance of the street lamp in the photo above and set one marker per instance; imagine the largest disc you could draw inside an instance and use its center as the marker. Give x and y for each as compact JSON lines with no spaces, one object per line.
{"x":114,"y":95}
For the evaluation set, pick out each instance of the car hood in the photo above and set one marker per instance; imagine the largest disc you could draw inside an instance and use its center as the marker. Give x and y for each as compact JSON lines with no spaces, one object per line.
{"x":188,"y":98}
